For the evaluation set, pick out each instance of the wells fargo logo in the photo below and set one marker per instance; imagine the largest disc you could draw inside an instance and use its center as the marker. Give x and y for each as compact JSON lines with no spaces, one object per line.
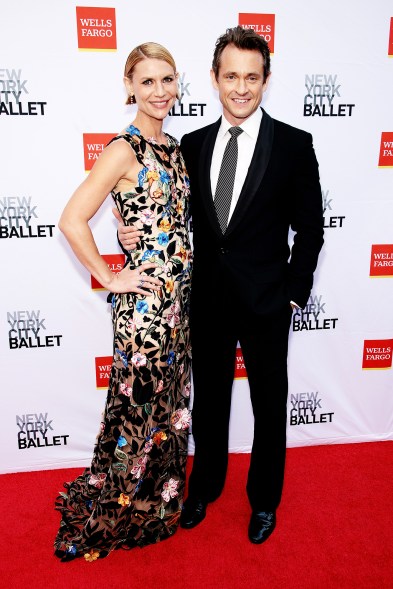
{"x":381,"y":263}
{"x":386,"y":150}
{"x":377,"y":354}
{"x":103,"y":370}
{"x":240,"y":368}
{"x":263,"y":24}
{"x":96,"y":28}
{"x":115,"y":264}
{"x":390,"y":48}
{"x":93,"y":144}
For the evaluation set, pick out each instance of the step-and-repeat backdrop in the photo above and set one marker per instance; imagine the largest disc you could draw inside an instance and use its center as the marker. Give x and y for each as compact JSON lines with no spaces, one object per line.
{"x":62,"y":99}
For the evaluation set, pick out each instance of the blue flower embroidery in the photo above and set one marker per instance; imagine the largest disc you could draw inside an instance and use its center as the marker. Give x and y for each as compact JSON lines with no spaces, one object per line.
{"x":113,"y":301}
{"x":138,"y":485}
{"x":142,"y":176}
{"x":164,"y":177}
{"x":142,"y":307}
{"x":149,"y":254}
{"x":121,"y":441}
{"x":123,"y":357}
{"x":71,"y":549}
{"x":171,"y":357}
{"x":133,"y":130}
{"x":162,"y":238}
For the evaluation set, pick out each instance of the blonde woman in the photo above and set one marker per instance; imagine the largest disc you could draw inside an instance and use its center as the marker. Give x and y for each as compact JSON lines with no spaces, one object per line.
{"x":131,"y":495}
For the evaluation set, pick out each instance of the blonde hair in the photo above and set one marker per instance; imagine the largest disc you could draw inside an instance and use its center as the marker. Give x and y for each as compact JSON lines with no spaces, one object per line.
{"x":144,"y":51}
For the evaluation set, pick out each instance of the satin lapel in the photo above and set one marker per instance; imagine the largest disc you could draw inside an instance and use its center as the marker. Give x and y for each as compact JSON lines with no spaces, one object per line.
{"x":256,"y":171}
{"x":205,"y":161}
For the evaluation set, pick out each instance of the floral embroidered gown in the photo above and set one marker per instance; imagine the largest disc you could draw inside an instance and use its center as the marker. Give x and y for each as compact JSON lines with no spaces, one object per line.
{"x":132,"y":493}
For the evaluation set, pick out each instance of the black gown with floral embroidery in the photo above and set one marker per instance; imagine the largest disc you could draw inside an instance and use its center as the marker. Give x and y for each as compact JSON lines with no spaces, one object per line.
{"x":132,"y":493}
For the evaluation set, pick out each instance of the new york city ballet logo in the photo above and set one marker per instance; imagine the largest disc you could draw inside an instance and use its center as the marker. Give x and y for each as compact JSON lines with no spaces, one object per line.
{"x":240,"y":367}
{"x":307,"y":409}
{"x":27,"y":329}
{"x":93,"y":145}
{"x":184,"y":107}
{"x":386,"y":150}
{"x":377,"y":354}
{"x":330,"y":221}
{"x":103,"y":366}
{"x":323,"y":97}
{"x":313,"y":317}
{"x":115,"y":264}
{"x":96,"y":28}
{"x":19,"y":219}
{"x":14,"y":101}
{"x":262,"y":24}
{"x":35,"y":430}
{"x":390,"y":47}
{"x":381,"y":263}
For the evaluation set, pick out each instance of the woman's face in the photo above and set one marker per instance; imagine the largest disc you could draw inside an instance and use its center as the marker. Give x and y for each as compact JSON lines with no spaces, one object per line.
{"x":154,"y":85}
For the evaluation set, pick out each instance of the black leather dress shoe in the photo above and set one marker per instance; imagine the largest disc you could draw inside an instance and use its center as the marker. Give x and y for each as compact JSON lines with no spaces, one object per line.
{"x":262,"y":524}
{"x":193,"y":512}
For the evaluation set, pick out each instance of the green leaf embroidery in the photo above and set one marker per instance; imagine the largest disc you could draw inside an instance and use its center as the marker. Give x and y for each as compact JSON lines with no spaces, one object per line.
{"x":120,"y":455}
{"x":119,"y":466}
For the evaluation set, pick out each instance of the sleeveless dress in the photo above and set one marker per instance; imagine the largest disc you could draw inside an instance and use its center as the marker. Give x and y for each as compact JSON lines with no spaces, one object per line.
{"x":132,"y":493}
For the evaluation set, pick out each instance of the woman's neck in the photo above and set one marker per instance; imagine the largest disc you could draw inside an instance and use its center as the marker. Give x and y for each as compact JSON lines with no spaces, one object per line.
{"x":149,"y":127}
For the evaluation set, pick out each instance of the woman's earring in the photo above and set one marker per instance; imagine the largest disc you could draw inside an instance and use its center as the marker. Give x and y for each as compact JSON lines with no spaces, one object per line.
{"x":132,"y":99}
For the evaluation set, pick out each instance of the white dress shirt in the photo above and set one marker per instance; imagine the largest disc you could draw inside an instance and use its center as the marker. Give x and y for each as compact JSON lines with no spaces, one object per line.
{"x":246,"y":145}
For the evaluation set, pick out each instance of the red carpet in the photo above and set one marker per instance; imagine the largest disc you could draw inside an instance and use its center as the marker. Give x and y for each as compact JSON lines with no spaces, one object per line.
{"x":334,"y":530}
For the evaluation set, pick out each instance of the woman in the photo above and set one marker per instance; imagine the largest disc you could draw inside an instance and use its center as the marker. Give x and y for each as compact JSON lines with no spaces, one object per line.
{"x":132,"y":493}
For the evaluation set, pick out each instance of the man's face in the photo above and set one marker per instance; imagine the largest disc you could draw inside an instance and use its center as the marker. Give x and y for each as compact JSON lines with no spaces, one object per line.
{"x":240,"y":83}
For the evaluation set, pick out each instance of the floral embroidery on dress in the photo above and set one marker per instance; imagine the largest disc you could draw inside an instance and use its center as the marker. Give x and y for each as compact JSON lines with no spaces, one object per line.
{"x":132,"y":493}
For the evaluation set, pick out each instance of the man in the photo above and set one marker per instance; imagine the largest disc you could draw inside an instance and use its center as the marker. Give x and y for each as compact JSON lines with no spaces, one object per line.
{"x":246,"y":280}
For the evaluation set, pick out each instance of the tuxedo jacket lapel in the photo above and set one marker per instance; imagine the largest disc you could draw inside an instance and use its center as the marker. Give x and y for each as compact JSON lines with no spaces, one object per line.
{"x":256,"y":171}
{"x":205,"y":161}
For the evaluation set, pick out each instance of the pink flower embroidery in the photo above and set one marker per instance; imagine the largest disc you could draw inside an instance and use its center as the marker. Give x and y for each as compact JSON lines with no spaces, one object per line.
{"x":125,"y":389}
{"x":140,"y":467}
{"x":139,"y":359}
{"x":160,"y":386}
{"x":148,"y":217}
{"x":173,"y":315}
{"x":149,"y":445}
{"x":181,"y":419}
{"x":151,"y":164}
{"x":187,"y":390}
{"x":97,"y":480}
{"x":169,"y":490}
{"x":133,"y":324}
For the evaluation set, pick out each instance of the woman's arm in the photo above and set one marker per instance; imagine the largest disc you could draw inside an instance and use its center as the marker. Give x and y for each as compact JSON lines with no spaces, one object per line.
{"x":114,"y":163}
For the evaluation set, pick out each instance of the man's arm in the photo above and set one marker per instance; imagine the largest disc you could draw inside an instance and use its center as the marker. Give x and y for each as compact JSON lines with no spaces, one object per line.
{"x":306,"y":222}
{"x":128,"y":235}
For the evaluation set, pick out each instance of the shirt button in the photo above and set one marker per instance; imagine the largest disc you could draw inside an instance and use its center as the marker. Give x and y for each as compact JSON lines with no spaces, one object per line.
{"x":223,"y":250}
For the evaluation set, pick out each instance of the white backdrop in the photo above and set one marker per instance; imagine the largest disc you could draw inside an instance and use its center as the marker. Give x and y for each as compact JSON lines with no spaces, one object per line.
{"x":56,"y":329}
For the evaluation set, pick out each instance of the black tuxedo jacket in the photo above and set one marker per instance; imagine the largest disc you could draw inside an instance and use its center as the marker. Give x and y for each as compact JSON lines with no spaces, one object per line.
{"x":253,"y":260}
